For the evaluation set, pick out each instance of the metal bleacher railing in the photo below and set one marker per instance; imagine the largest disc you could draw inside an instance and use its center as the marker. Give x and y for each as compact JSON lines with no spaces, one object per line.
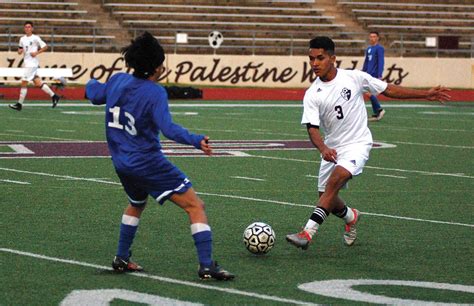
{"x":87,"y":39}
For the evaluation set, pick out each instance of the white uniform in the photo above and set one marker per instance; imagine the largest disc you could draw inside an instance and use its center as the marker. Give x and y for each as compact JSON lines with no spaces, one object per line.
{"x":338,"y":108}
{"x":30,"y":44}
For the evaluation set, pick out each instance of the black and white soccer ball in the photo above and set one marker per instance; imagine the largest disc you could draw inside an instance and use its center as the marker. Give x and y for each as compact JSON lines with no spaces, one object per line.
{"x":215,"y":39}
{"x":259,"y":238}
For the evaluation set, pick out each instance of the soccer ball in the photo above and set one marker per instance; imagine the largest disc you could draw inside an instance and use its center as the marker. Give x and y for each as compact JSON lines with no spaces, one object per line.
{"x":215,"y":39}
{"x":259,"y":238}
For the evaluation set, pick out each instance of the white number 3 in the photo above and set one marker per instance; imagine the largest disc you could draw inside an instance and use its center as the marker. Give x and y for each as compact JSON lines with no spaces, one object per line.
{"x":130,"y":126}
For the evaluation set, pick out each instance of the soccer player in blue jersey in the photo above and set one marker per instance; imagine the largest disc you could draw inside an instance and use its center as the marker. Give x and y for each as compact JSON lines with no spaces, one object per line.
{"x":373,"y":65}
{"x":136,"y":111}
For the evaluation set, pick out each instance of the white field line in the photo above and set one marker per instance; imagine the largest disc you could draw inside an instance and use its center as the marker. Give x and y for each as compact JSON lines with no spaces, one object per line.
{"x":234,"y":197}
{"x":248,"y":178}
{"x":161,"y":278}
{"x":312,"y":206}
{"x":297,"y":104}
{"x":312,"y":176}
{"x":429,"y":144}
{"x":40,"y":137}
{"x":15,"y":182}
{"x":393,"y":176}
{"x":461,"y":175}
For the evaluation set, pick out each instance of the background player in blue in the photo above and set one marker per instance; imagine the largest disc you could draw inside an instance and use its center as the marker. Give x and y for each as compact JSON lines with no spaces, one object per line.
{"x":136,"y":112}
{"x":373,"y":65}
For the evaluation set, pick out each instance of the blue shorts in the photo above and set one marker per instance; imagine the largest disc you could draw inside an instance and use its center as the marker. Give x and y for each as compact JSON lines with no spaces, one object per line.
{"x":160,"y":186}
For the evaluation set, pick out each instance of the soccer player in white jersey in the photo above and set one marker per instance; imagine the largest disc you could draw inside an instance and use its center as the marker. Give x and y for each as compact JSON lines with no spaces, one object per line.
{"x":31,"y":46}
{"x":334,"y":103}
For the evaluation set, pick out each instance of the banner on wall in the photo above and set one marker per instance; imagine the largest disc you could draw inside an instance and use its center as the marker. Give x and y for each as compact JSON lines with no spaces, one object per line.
{"x":257,"y":71}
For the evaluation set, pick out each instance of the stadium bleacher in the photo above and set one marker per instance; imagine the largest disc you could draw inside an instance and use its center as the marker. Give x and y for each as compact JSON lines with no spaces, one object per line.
{"x":65,"y":26}
{"x":249,"y":27}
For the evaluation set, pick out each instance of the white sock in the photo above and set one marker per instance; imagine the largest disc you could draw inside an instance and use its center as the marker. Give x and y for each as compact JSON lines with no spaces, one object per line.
{"x":349,"y":217}
{"x":22,"y":97}
{"x":47,"y":90}
{"x":311,"y":227}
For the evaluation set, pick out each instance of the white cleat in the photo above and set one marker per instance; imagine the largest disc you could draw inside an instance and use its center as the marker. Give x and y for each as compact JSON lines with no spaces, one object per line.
{"x":350,"y":234}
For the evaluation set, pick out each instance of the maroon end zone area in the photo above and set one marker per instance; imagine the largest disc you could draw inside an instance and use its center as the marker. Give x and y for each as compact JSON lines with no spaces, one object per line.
{"x":99,"y":149}
{"x":227,"y":94}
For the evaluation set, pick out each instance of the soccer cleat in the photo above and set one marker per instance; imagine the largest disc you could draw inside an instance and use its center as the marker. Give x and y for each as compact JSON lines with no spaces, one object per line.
{"x":350,"y":234}
{"x":380,"y":114}
{"x":16,"y":106}
{"x":300,"y":240}
{"x":55,"y":100}
{"x":121,"y":265}
{"x":214,"y":272}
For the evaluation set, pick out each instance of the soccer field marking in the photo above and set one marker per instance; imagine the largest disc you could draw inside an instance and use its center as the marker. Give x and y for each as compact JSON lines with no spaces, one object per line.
{"x":66,"y":131}
{"x":448,"y":113}
{"x":392,"y":176}
{"x":16,"y":182}
{"x":311,"y":176}
{"x":248,"y":178}
{"x":313,"y":206}
{"x":296,"y":104}
{"x":160,"y":278}
{"x":460,"y":175}
{"x":40,"y":137}
{"x":432,"y":145}
{"x":236,"y":197}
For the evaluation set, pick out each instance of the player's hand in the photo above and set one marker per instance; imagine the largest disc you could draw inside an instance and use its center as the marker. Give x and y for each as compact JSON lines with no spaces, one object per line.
{"x":205,"y":146}
{"x":439,"y":94}
{"x":33,"y":54}
{"x":329,"y":155}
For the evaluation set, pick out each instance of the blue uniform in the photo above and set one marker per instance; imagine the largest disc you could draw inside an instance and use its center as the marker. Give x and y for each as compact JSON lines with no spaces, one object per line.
{"x":373,"y":65}
{"x":374,"y":61}
{"x":136,"y":112}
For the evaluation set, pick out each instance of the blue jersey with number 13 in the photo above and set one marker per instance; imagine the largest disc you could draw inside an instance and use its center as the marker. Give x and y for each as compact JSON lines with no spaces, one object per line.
{"x":136,"y":112}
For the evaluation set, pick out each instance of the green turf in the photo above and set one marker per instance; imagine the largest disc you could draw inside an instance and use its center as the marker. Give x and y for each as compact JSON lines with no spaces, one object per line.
{"x":427,"y":176}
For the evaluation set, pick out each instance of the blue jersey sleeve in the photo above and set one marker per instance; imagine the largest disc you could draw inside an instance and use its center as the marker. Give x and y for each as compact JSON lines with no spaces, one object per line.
{"x":171,"y":130}
{"x":96,"y":92}
{"x":381,"y":61}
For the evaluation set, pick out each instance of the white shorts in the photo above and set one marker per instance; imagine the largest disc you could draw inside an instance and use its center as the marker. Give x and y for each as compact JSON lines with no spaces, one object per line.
{"x":29,"y":74}
{"x":351,"y":157}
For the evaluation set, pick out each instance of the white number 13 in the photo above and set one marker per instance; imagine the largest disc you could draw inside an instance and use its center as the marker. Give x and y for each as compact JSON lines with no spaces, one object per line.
{"x":129,"y":127}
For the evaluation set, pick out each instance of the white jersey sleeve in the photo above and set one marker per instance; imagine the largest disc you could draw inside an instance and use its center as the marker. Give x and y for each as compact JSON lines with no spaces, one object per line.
{"x":370,"y":84}
{"x":310,"y":109}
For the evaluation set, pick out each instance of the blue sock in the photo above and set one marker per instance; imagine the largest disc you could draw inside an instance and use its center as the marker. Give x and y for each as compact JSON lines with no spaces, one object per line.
{"x":127,"y":234}
{"x":203,"y":243}
{"x":375,"y":104}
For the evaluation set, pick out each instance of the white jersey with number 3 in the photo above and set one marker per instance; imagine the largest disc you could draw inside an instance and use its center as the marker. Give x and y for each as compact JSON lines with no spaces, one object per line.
{"x":338,"y":107}
{"x":31,"y":44}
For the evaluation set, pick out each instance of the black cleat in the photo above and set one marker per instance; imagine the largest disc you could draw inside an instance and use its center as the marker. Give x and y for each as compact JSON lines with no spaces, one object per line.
{"x":121,"y":265}
{"x":214,"y":272}
{"x":55,"y":100}
{"x":16,"y":106}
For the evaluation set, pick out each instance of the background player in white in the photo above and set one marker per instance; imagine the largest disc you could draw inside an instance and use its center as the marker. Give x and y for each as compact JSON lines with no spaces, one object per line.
{"x":335,"y":103}
{"x":31,"y":46}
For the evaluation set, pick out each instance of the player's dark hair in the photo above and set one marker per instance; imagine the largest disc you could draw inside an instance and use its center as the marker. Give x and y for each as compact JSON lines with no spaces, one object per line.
{"x":28,"y":22}
{"x":323,"y":42}
{"x":144,"y":55}
{"x":375,"y":32}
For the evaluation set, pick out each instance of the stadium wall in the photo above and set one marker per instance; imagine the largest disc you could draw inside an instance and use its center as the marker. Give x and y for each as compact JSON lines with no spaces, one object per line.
{"x":256,"y":71}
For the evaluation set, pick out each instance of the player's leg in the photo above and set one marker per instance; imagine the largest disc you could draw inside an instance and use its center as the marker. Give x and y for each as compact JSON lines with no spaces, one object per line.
{"x":352,"y":159}
{"x":129,"y":225}
{"x":21,"y":99}
{"x":44,"y":87}
{"x":330,"y":180}
{"x":379,"y":112}
{"x":202,"y":234}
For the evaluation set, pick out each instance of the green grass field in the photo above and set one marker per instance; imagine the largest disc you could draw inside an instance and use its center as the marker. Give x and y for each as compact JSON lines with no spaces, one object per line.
{"x":60,"y":215}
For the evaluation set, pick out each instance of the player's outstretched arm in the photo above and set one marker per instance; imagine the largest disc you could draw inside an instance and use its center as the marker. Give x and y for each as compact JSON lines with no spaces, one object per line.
{"x":437,"y":93}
